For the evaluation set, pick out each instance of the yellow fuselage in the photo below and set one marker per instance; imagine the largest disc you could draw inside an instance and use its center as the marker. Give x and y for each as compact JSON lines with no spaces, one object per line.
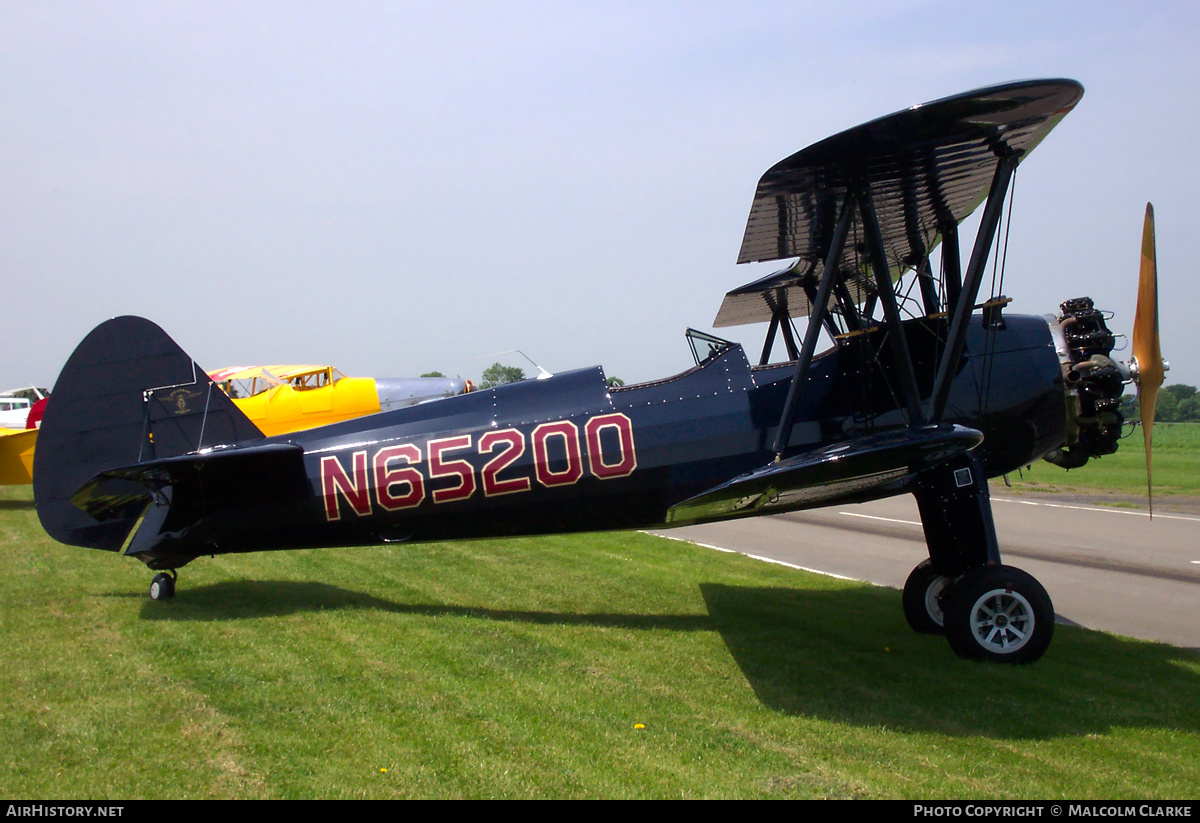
{"x":286,"y":409}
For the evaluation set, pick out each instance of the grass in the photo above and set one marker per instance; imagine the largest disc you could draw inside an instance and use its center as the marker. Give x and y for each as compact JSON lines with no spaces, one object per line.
{"x":1176,"y":467}
{"x":523,"y":668}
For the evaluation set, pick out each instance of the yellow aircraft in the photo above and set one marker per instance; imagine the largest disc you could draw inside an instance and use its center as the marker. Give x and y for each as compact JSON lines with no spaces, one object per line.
{"x":279,"y":399}
{"x":17,"y":436}
{"x":16,"y":456}
{"x":283,"y":399}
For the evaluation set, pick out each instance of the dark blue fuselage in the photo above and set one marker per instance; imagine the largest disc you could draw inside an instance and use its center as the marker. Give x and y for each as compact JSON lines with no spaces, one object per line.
{"x":570,"y":454}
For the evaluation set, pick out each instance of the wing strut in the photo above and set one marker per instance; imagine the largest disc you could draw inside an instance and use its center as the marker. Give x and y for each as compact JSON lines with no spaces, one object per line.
{"x":929,"y":295}
{"x":779,"y":322}
{"x":815,"y":321}
{"x":904,"y":363}
{"x":956,"y":338}
{"x":951,"y":263}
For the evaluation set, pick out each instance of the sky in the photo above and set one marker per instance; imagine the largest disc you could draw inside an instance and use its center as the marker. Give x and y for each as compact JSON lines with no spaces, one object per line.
{"x":401,"y":187}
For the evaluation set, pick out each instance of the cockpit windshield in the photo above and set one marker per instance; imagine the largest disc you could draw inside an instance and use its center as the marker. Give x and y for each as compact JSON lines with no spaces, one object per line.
{"x":705,"y":346}
{"x":242,"y":382}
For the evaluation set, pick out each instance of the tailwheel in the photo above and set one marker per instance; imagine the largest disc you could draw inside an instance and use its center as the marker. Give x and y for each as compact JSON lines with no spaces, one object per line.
{"x":1000,"y":614}
{"x":922,"y":599}
{"x":162,"y":587}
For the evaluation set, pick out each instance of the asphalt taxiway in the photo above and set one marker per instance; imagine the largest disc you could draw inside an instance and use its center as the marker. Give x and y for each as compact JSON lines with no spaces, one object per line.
{"x":1113,"y":569}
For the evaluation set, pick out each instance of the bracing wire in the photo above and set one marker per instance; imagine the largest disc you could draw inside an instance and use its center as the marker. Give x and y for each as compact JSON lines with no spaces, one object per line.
{"x":999,"y":266}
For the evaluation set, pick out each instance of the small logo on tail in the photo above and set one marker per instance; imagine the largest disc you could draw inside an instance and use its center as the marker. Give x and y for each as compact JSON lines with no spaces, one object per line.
{"x":181,"y":398}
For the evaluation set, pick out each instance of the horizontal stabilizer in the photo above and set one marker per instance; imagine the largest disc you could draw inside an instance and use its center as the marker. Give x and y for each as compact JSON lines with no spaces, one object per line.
{"x":100,"y":497}
{"x":851,"y":471}
{"x":163,"y":499}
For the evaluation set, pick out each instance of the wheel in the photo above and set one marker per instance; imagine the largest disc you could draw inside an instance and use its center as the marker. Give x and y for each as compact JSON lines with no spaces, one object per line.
{"x":1000,"y":614}
{"x":922,"y":599}
{"x":162,"y":587}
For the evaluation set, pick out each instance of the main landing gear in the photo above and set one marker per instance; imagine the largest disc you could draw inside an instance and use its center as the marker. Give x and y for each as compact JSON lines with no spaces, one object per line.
{"x":162,"y":587}
{"x":986,"y":610}
{"x":996,"y":613}
{"x":999,"y":613}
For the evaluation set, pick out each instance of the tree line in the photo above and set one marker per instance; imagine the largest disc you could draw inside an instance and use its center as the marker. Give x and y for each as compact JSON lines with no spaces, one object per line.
{"x":1177,"y":403}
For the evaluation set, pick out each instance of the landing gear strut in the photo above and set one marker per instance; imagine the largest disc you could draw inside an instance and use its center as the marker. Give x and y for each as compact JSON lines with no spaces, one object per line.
{"x":162,"y":587}
{"x":986,"y":610}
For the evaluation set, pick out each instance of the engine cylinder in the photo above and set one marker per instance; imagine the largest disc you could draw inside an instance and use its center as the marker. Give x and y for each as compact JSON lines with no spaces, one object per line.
{"x":1093,"y":383}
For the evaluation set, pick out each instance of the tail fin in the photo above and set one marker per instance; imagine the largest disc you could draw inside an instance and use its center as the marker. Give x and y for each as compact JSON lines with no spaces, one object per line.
{"x":127,"y":395}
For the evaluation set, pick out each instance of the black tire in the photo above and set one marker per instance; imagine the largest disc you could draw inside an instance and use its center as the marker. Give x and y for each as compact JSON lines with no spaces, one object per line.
{"x":922,"y":599}
{"x":1000,"y":614}
{"x":162,"y":587}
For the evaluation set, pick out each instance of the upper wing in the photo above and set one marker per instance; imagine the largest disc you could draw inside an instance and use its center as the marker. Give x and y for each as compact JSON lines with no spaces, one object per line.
{"x":925,"y":168}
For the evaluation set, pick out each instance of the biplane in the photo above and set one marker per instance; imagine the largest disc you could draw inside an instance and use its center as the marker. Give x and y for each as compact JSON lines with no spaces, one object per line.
{"x":928,"y":388}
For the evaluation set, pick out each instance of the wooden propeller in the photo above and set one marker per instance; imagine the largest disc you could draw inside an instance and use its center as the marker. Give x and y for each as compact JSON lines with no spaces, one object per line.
{"x":1147,"y":355}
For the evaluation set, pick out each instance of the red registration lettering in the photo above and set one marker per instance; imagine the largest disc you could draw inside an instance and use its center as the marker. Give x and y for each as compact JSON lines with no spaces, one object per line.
{"x":386,"y":478}
{"x":542,"y":435}
{"x":334,"y":480}
{"x":493,"y":484}
{"x":396,"y":480}
{"x":624,"y":461}
{"x":451,"y":468}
